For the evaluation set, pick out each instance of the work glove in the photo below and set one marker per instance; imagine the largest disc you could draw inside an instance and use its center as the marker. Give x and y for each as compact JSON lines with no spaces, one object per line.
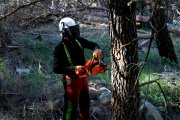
{"x":80,"y":71}
{"x":97,"y":53}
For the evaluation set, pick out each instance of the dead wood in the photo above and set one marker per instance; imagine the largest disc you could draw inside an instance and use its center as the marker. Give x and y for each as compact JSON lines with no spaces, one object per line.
{"x":144,"y":36}
{"x":171,"y":28}
{"x":20,"y":7}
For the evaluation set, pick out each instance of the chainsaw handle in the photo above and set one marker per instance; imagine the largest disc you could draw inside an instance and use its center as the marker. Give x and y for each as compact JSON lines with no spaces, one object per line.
{"x":90,"y":65}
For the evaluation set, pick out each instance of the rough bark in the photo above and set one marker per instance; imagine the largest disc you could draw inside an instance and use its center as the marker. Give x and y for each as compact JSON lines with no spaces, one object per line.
{"x":124,"y":60}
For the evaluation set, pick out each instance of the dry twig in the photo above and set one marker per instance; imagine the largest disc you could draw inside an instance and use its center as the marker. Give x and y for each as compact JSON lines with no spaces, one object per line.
{"x":20,"y":7}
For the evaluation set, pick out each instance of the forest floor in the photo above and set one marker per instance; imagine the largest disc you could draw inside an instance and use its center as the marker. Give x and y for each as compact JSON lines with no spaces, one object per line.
{"x":23,"y":102}
{"x":20,"y":100}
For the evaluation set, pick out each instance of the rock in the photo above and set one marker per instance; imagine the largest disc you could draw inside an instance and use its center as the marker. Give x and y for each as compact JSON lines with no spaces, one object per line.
{"x":162,"y":111}
{"x":96,"y":90}
{"x":1,"y":75}
{"x":21,"y":71}
{"x":105,"y":97}
{"x":169,"y":75}
{"x":96,"y":111}
{"x":149,"y":112}
{"x":58,"y":103}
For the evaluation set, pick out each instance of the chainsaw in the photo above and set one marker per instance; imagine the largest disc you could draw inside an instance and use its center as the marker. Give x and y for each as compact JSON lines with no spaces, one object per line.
{"x":94,"y":66}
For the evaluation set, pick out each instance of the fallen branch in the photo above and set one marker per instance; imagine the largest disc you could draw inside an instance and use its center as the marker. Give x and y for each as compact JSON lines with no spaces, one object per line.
{"x":20,"y":7}
{"x":12,"y":46}
{"x":173,"y":28}
{"x":144,"y":19}
{"x":5,"y":45}
{"x":143,"y":36}
{"x":88,"y":7}
{"x":10,"y":94}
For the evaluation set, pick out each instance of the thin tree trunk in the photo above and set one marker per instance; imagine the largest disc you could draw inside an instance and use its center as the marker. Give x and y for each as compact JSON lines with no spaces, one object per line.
{"x":124,"y":60}
{"x":163,"y":39}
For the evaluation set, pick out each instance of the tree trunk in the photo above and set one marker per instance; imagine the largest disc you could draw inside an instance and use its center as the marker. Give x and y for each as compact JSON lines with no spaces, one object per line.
{"x":163,"y":39}
{"x":124,"y":55}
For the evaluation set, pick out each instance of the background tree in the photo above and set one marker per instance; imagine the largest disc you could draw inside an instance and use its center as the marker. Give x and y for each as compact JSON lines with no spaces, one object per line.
{"x":32,"y":25}
{"x":124,"y":60}
{"x":163,"y":39}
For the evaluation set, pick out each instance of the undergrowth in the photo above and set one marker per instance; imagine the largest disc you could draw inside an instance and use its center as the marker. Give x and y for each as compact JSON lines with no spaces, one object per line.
{"x":165,"y":91}
{"x":38,"y":55}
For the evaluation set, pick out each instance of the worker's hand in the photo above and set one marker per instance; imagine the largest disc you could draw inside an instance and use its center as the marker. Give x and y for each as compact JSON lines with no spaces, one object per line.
{"x":97,"y":53}
{"x":80,"y":71}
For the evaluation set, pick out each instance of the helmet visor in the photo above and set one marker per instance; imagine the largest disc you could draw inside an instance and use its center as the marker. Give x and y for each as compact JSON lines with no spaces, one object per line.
{"x":75,"y":31}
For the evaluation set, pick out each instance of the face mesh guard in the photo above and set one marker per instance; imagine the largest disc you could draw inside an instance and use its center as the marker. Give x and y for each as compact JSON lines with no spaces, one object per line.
{"x":75,"y":32}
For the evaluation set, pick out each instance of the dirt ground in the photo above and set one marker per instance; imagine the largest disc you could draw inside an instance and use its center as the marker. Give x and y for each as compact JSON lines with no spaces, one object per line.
{"x":45,"y":103}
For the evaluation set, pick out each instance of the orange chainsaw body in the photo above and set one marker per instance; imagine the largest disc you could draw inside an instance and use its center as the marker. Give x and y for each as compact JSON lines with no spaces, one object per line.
{"x":94,"y":66}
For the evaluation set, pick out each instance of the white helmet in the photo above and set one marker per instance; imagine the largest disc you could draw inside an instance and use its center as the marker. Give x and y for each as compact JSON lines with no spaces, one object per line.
{"x":68,"y":27}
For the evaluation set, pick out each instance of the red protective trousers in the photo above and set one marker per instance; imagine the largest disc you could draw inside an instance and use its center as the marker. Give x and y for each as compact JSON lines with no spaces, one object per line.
{"x":76,"y":95}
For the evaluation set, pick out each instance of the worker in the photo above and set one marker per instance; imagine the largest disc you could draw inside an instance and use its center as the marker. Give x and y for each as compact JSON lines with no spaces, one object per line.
{"x":69,"y":60}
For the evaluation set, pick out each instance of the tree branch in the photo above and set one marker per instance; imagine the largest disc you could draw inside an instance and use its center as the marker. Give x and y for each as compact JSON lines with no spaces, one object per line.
{"x":164,"y":96}
{"x":148,"y":82}
{"x":20,"y":7}
{"x":165,"y":100}
{"x":88,"y":7}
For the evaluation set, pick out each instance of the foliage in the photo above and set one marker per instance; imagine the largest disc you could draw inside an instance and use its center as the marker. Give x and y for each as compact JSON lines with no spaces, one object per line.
{"x":176,"y":46}
{"x":153,"y":93}
{"x":37,"y":55}
{"x":100,"y":36}
{"x":6,"y":79}
{"x":36,"y":78}
{"x":155,"y":68}
{"x":1,"y":65}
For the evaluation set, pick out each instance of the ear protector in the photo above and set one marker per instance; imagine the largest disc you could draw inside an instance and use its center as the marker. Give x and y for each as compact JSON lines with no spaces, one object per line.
{"x":65,"y":30}
{"x":72,"y":31}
